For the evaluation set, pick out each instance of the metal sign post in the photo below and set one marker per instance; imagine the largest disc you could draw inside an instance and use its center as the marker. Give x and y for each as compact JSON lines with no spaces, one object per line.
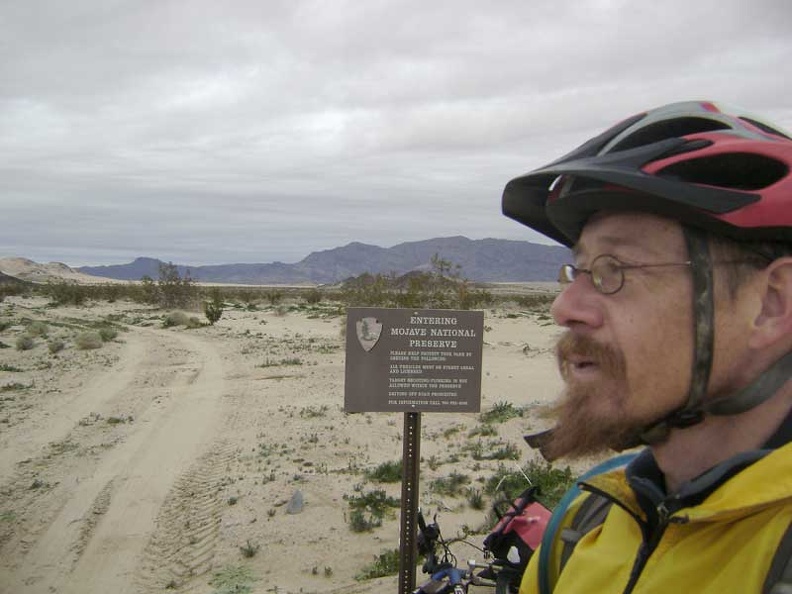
{"x":411,"y":458}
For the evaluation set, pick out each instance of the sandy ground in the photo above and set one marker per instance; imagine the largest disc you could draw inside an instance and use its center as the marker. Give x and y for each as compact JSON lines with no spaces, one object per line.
{"x":149,"y":464}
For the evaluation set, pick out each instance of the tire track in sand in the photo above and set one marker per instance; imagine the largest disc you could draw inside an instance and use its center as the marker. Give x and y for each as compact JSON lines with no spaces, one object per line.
{"x":96,"y":542}
{"x":188,"y":526}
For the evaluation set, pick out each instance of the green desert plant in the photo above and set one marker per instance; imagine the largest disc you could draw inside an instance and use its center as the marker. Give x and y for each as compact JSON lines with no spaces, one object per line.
{"x":475,"y":499}
{"x":213,"y":310}
{"x":175,"y":290}
{"x":452,"y":486}
{"x":386,"y":563}
{"x":66,"y":293}
{"x":360,"y":522}
{"x":387,"y":472}
{"x":500,"y":413}
{"x":369,"y":509}
{"x":249,"y":550}
{"x":552,"y":482}
{"x":233,"y":580}
{"x":442,"y":287}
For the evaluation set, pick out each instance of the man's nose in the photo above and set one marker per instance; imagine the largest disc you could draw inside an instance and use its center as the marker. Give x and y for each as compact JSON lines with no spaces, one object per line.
{"x":579,"y":303}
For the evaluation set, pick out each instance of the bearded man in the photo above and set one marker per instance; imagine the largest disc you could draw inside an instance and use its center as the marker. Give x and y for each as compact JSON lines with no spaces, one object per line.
{"x":677,"y":312}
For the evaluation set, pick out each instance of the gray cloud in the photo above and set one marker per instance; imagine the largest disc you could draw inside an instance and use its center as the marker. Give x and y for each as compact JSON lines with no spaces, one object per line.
{"x":207,"y":132}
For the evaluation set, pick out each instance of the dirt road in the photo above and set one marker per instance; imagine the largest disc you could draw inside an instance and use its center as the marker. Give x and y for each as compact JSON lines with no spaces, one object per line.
{"x":163,"y":399}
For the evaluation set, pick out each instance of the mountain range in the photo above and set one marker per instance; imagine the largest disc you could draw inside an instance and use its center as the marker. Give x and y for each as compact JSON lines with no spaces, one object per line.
{"x":483,"y":260}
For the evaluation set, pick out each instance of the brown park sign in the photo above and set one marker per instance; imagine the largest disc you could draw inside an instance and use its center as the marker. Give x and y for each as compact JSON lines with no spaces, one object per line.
{"x":413,"y":360}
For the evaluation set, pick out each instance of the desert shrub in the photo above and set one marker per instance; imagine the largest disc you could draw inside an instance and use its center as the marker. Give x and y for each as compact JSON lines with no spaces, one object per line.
{"x":387,"y":472}
{"x":175,"y":290}
{"x":536,"y":301}
{"x":55,"y":346}
{"x":25,"y":342}
{"x":171,"y":290}
{"x":313,"y":412}
{"x":7,"y":289}
{"x":452,"y":486}
{"x":442,"y":287}
{"x":387,"y":563}
{"x":475,"y":499}
{"x":107,"y":333}
{"x":274,"y":296}
{"x":313,"y":296}
{"x":148,"y":292}
{"x":493,"y":450}
{"x":110,"y":292}
{"x":508,"y":451}
{"x":369,"y":509}
{"x":175,"y":318}
{"x":485,"y":430}
{"x":213,"y":310}
{"x":249,"y":550}
{"x":233,"y":580}
{"x":552,"y":482}
{"x":359,"y":521}
{"x":88,"y":340}
{"x":37,"y":328}
{"x":66,"y":293}
{"x":500,"y":413}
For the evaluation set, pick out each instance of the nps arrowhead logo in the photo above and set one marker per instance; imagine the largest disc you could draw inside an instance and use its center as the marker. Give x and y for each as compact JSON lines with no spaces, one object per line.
{"x":369,"y":331}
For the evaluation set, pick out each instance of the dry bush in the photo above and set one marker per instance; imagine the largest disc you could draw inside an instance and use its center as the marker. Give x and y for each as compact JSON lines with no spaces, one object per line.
{"x":88,"y":340}
{"x":25,"y":343}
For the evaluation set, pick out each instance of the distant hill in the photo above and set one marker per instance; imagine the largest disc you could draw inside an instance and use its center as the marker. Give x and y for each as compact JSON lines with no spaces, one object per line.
{"x":6,"y":279}
{"x":26,"y":270}
{"x":483,"y":260}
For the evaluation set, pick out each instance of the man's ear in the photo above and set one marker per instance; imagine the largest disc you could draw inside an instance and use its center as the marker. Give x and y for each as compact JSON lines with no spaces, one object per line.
{"x":774,"y":322}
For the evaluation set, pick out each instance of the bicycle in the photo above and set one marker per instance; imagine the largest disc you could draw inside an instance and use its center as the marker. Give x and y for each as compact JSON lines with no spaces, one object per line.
{"x":525,"y":519}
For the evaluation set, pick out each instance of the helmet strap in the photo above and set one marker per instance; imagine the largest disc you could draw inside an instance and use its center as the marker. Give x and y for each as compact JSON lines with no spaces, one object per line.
{"x":704,"y":340}
{"x":755,"y":393}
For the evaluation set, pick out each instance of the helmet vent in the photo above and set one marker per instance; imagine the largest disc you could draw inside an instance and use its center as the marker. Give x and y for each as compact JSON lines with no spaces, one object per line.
{"x":738,"y":171}
{"x":665,"y":129}
{"x":765,"y":128}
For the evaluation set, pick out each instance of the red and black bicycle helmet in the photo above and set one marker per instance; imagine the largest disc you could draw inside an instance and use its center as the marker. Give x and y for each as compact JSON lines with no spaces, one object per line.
{"x":698,"y":162}
{"x":713,"y":168}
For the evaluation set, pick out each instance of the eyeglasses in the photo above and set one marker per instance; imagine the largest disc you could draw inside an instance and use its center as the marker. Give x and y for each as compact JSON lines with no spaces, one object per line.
{"x":607,"y":273}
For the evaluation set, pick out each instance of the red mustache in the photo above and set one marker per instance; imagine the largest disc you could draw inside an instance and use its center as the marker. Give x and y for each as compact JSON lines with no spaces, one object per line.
{"x":608,"y":359}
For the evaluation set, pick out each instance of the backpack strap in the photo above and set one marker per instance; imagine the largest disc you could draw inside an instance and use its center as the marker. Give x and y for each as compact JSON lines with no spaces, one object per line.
{"x":560,"y":511}
{"x":779,"y":578}
{"x":592,"y":513}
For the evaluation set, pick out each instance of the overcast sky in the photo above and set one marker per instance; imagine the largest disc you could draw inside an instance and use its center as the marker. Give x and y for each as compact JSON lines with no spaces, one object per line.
{"x":206,"y":132}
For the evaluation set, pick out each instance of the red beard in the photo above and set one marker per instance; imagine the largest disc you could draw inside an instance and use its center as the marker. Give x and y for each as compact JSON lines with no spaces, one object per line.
{"x":582,"y":429}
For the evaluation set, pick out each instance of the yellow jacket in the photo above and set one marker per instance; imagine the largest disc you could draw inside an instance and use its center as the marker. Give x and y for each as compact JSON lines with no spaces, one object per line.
{"x":724,"y":544}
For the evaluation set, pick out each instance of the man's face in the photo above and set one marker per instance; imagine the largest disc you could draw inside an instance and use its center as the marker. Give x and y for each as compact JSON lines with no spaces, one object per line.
{"x":625,"y":358}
